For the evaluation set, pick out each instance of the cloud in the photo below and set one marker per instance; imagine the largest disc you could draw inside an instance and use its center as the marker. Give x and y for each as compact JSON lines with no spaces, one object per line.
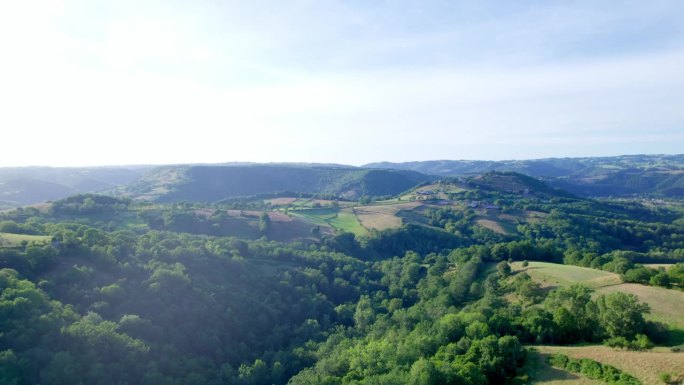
{"x":334,"y":82}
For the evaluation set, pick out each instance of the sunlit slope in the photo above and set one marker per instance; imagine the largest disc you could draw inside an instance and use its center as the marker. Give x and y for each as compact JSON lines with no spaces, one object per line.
{"x":667,"y":305}
{"x":554,"y":274}
{"x":646,"y":366}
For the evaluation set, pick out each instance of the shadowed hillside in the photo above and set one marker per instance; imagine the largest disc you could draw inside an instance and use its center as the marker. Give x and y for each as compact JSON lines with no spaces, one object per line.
{"x":658,"y":175}
{"x":213,"y":183}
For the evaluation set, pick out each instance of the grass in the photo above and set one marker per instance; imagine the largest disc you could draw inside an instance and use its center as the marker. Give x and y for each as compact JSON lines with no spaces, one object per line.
{"x":344,"y":219}
{"x":554,"y":274}
{"x":667,"y":306}
{"x":643,"y":365}
{"x":545,"y":374}
{"x":284,"y":201}
{"x":378,"y":221}
{"x":14,"y":240}
{"x":491,"y":225}
{"x":384,"y":216}
{"x":659,"y":265}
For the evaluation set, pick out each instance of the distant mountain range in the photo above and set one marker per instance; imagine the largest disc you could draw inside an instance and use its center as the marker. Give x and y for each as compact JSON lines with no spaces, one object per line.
{"x":656,"y":175}
{"x":29,"y":185}
{"x":214,"y":183}
{"x":629,"y":175}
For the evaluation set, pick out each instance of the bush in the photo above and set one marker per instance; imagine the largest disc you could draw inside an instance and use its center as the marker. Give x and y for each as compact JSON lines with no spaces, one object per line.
{"x":558,"y":360}
{"x":640,"y":343}
{"x":593,"y":369}
{"x":617,"y":342}
{"x":665,"y":377}
{"x":677,"y":349}
{"x":573,"y":366}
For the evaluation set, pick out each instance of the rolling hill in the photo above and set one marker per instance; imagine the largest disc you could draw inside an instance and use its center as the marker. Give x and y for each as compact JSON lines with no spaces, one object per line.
{"x":214,"y":183}
{"x":658,"y":175}
{"x":28,"y":185}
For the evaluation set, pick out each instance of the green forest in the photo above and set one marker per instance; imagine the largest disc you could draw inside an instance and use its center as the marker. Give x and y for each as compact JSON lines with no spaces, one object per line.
{"x":99,"y":289}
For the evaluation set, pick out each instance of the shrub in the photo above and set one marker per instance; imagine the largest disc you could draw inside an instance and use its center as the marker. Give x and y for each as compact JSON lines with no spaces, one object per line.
{"x":641,"y":342}
{"x":591,"y":368}
{"x":665,"y":377}
{"x":558,"y":360}
{"x":573,"y":366}
{"x":617,"y":342}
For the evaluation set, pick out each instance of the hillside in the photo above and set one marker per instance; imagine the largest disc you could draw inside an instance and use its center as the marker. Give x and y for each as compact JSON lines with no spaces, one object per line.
{"x":29,"y":185}
{"x":659,"y":175}
{"x":646,"y":366}
{"x":513,"y":182}
{"x":643,"y":175}
{"x":302,"y":289}
{"x":214,"y":183}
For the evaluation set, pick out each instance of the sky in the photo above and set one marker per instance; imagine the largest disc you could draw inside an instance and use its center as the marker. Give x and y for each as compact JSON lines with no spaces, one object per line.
{"x":86,"y":83}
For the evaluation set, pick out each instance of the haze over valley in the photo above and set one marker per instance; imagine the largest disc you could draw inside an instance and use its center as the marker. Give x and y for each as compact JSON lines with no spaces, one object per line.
{"x":468,"y":192}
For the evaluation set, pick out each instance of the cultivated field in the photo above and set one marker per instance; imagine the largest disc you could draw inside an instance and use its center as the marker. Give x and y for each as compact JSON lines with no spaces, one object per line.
{"x":281,"y":201}
{"x":554,"y":274}
{"x":343,"y":220}
{"x":646,"y":366}
{"x":382,"y":217}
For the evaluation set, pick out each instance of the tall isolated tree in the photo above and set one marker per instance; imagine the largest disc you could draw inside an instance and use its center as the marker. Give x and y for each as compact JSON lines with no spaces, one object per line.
{"x":621,"y":314}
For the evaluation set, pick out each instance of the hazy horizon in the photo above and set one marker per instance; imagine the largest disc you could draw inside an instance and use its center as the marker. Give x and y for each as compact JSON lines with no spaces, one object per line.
{"x":129,"y":83}
{"x":276,"y":162}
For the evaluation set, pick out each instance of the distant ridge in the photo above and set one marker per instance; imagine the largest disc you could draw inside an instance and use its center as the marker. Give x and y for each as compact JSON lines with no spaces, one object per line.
{"x":28,"y":185}
{"x":214,"y":183}
{"x":626,"y":175}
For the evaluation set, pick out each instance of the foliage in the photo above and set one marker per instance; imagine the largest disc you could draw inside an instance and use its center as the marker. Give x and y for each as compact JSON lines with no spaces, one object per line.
{"x":593,"y":369}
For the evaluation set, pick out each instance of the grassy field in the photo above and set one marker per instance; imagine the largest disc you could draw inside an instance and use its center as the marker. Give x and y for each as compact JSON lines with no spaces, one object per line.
{"x":667,"y":306}
{"x":554,"y":274}
{"x":377,"y":220}
{"x":384,"y":216}
{"x":344,"y":219}
{"x":14,"y":240}
{"x":643,"y":365}
{"x":546,"y":374}
{"x":492,"y":225}
{"x":659,"y":265}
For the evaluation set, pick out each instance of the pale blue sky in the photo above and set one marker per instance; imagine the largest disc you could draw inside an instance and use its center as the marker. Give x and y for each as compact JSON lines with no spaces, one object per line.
{"x":122,"y":82}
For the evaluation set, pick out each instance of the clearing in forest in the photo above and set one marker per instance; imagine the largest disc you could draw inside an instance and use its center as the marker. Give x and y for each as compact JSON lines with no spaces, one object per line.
{"x":382,"y":217}
{"x":545,"y":374}
{"x":646,"y":366}
{"x":555,"y":274}
{"x":667,"y":305}
{"x":339,"y":219}
{"x":14,"y":240}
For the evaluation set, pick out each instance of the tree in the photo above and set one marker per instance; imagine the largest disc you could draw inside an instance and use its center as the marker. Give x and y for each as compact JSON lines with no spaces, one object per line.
{"x":264,"y":223}
{"x":573,"y":312}
{"x":621,"y":314}
{"x":363,"y":316}
{"x":503,"y":268}
{"x":423,"y":372}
